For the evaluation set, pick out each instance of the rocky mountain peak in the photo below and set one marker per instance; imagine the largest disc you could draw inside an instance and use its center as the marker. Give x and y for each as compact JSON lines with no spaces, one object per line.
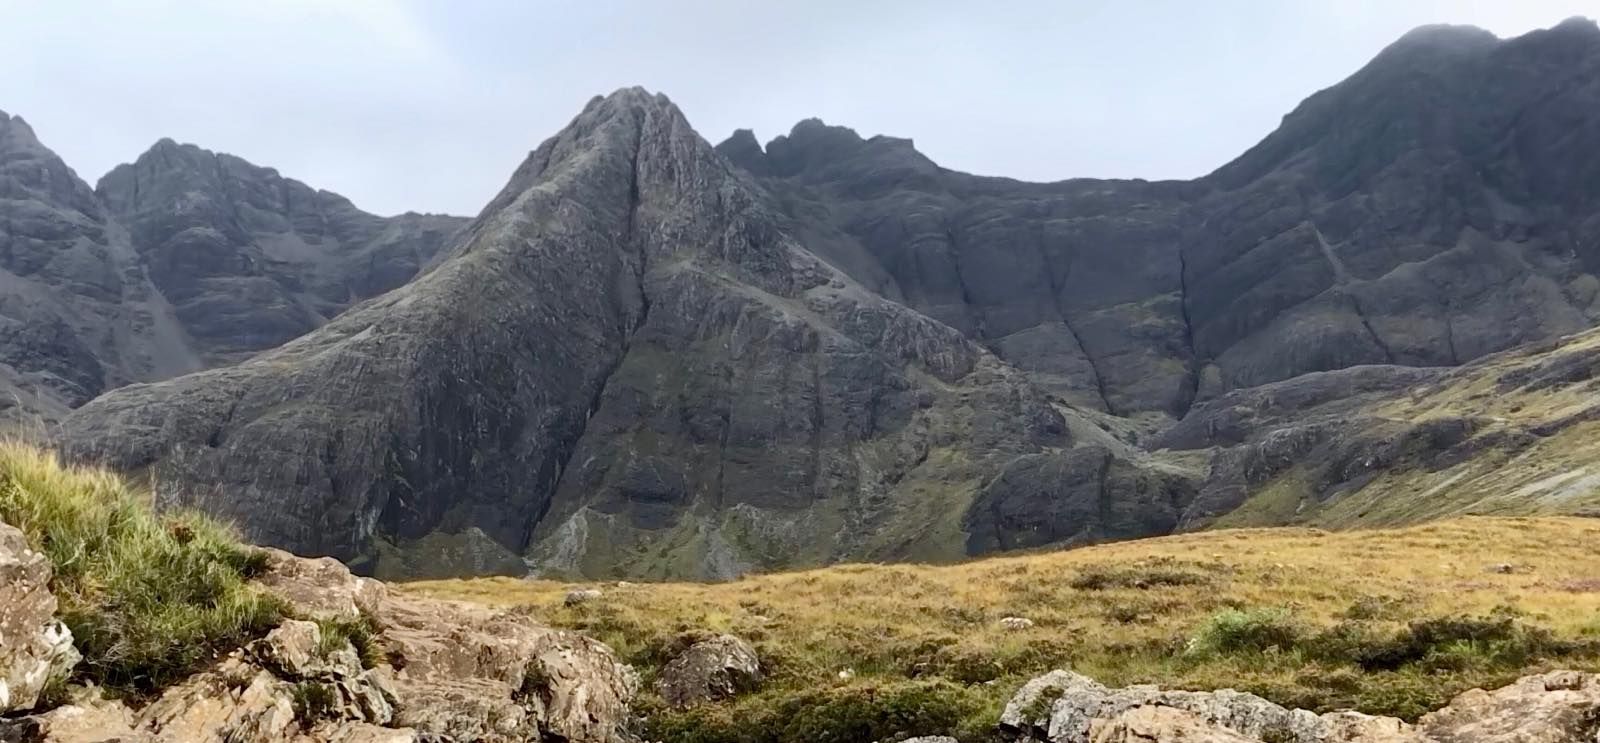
{"x":811,"y":144}
{"x":29,"y":169}
{"x":1445,"y":36}
{"x":742,"y":149}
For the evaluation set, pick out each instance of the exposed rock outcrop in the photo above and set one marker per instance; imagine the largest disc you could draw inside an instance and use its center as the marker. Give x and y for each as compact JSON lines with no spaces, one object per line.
{"x":250,"y":259}
{"x":35,"y":648}
{"x":1064,"y":707}
{"x":1376,"y":225}
{"x":444,"y":672}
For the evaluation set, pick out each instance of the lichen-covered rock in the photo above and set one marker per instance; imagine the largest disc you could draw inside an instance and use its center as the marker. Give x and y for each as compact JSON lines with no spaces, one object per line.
{"x":448,"y":672}
{"x":451,"y":669}
{"x":1161,"y":725}
{"x":35,"y":647}
{"x":1065,"y":707}
{"x":709,"y":670}
{"x":1558,"y":707}
{"x":295,"y":650}
{"x":320,"y":588}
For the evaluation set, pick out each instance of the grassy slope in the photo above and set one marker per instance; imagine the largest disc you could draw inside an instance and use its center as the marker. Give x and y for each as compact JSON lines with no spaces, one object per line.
{"x":1558,"y":474}
{"x":148,"y":598}
{"x":890,"y":624}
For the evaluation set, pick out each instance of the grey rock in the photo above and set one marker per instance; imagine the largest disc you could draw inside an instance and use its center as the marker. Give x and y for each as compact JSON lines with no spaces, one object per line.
{"x":709,"y":670}
{"x":250,"y":259}
{"x":1374,"y":226}
{"x":179,"y":261}
{"x":1064,"y":707}
{"x":38,"y":648}
{"x":581,"y":596}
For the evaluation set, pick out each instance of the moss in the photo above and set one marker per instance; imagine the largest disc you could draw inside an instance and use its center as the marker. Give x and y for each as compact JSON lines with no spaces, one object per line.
{"x":148,"y":598}
{"x":1039,"y":708}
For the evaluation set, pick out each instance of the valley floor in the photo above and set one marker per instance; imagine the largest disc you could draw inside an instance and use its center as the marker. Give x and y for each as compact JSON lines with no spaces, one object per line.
{"x":1386,"y":621}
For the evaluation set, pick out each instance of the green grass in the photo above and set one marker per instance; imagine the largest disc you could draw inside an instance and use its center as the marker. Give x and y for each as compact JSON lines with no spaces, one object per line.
{"x":360,"y":633}
{"x":149,"y":598}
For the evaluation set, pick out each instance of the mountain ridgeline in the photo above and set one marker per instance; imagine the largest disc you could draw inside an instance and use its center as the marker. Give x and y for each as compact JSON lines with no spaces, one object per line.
{"x":653,"y":357}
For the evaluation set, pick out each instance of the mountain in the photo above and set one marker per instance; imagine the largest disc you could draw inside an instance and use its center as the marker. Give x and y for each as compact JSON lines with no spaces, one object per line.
{"x":250,"y":259}
{"x":627,"y":364}
{"x":78,"y":312}
{"x":651,"y":357}
{"x":1437,"y":206}
{"x":180,"y":261}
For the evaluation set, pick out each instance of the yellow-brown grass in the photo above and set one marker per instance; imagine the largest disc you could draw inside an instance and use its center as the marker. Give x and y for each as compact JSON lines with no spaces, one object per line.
{"x":1122,"y":613}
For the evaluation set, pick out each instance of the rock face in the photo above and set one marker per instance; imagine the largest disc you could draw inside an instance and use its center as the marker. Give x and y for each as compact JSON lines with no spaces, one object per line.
{"x":250,"y":259}
{"x":709,"y":670}
{"x":180,"y":261}
{"x":446,"y":672}
{"x":1064,"y":707}
{"x":1376,"y":225}
{"x":724,"y":395}
{"x":35,"y":648}
{"x":78,"y":313}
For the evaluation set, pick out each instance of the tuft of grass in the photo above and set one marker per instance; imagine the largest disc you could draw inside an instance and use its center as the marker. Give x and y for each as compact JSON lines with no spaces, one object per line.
{"x":1234,"y":631}
{"x":361,"y":633}
{"x":313,"y":700}
{"x":149,"y":598}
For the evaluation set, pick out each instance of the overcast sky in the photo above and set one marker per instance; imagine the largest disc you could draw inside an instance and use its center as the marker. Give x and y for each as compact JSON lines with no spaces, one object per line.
{"x":429,"y":105}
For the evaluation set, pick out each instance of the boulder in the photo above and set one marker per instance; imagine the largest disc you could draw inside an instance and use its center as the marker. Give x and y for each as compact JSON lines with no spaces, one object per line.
{"x":581,"y":596}
{"x":1550,"y":708}
{"x":320,"y":588}
{"x":709,"y":670}
{"x":35,"y":648}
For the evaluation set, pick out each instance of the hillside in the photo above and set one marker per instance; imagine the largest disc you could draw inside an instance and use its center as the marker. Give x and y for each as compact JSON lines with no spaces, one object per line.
{"x":1301,"y":615}
{"x":1511,"y":434}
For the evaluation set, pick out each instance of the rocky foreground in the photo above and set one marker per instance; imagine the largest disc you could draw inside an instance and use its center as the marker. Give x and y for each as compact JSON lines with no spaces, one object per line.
{"x":442,"y":671}
{"x":448,"y":672}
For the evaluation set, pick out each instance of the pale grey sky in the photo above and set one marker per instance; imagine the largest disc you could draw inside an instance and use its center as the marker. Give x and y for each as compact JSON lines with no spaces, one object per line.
{"x":430,"y":104}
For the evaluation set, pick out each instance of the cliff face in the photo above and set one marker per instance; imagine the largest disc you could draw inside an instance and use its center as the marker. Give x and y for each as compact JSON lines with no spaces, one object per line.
{"x":652,"y":357}
{"x":250,"y":259}
{"x":1437,"y":206}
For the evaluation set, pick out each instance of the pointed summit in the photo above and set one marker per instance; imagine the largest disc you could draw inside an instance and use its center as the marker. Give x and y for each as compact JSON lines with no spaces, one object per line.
{"x":742,"y":149}
{"x":616,"y":345}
